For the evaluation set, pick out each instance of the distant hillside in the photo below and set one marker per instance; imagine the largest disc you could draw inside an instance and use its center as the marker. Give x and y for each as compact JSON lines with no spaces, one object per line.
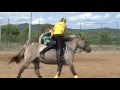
{"x":93,"y":36}
{"x":37,"y":27}
{"x":33,"y":27}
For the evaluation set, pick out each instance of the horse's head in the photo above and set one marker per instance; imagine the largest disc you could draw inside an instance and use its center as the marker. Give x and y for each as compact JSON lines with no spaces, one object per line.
{"x":82,"y":44}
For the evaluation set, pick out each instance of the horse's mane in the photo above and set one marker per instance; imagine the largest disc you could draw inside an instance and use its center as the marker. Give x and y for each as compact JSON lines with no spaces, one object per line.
{"x":66,"y":38}
{"x":70,"y":38}
{"x":40,"y":38}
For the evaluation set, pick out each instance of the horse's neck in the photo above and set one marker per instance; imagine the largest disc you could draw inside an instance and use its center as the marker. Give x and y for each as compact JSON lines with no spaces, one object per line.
{"x":72,"y":44}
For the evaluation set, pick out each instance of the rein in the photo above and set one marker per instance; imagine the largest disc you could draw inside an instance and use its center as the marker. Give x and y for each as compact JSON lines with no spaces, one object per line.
{"x":73,"y":50}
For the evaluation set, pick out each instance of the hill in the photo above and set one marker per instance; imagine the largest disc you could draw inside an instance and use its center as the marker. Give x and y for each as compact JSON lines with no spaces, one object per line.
{"x":37,"y":27}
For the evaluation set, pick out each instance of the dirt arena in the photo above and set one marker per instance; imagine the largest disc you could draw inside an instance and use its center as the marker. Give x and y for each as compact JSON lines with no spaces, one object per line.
{"x":94,"y":65}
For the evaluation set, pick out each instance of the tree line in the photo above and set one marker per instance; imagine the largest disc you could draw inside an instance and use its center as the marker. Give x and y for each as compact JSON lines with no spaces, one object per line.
{"x":11,"y":33}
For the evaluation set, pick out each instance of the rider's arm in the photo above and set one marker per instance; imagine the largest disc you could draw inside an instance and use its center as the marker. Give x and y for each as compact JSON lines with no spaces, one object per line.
{"x":51,"y":31}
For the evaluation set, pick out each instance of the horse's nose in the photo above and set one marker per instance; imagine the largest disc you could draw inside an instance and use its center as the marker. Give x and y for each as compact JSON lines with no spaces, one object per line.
{"x":88,"y":49}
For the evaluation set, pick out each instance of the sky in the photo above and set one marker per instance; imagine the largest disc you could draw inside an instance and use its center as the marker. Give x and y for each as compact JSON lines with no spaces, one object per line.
{"x":74,"y":19}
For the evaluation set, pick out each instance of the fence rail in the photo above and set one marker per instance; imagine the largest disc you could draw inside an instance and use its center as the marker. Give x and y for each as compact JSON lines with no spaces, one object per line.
{"x":9,"y":45}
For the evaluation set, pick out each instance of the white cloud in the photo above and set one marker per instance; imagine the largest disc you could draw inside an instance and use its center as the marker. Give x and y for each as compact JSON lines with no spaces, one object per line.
{"x":88,"y":15}
{"x":14,"y":17}
{"x":38,"y":20}
{"x":117,"y":16}
{"x":72,"y":12}
{"x":19,"y":17}
{"x":81,"y":16}
{"x":96,"y":17}
{"x":85,"y":23}
{"x":99,"y":17}
{"x":106,"y":16}
{"x":1,"y":17}
{"x":2,"y":13}
{"x":20,"y":22}
{"x":63,"y":12}
{"x":51,"y":19}
{"x":14,"y":13}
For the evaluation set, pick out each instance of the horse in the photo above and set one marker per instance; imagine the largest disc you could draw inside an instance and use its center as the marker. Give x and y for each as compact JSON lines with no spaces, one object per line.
{"x":30,"y":53}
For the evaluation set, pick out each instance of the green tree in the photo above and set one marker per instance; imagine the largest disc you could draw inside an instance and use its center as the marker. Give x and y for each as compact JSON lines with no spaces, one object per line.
{"x":10,"y":33}
{"x":24,"y":34}
{"x":44,"y":27}
{"x":35,"y":37}
{"x":104,"y":38}
{"x":116,"y":40}
{"x":10,"y":29}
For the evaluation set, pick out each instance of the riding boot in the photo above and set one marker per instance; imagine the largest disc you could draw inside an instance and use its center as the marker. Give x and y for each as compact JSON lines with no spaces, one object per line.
{"x":44,"y":50}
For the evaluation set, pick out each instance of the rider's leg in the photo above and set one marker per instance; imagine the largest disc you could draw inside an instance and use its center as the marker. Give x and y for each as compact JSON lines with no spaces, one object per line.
{"x":60,"y":49}
{"x":59,"y":42}
{"x":45,"y":50}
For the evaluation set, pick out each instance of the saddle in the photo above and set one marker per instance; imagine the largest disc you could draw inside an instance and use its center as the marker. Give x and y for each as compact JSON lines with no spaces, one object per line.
{"x":53,"y":43}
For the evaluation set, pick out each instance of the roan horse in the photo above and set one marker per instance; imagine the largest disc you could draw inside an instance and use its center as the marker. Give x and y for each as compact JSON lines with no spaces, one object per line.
{"x":30,"y":53}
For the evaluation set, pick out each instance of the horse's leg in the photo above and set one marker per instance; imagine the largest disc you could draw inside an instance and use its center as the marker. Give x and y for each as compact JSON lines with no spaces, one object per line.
{"x":36,"y":64}
{"x":59,"y":69}
{"x":71,"y":66}
{"x":23,"y":67}
{"x":73,"y":70}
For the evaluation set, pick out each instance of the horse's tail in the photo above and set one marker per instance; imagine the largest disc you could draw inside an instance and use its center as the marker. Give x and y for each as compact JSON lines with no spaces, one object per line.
{"x":17,"y":58}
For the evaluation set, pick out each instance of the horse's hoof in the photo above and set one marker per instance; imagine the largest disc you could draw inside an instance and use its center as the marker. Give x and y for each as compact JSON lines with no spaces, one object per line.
{"x":40,"y":76}
{"x":18,"y":76}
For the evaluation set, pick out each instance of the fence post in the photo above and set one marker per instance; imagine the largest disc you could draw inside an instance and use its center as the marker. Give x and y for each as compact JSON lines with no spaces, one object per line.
{"x":30,"y":26}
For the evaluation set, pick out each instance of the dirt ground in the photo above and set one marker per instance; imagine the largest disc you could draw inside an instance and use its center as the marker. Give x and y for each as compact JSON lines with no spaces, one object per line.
{"x":86,"y":65}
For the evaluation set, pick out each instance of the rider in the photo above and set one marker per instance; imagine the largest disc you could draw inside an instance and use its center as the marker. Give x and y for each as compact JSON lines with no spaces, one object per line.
{"x":58,"y":36}
{"x":47,"y":40}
